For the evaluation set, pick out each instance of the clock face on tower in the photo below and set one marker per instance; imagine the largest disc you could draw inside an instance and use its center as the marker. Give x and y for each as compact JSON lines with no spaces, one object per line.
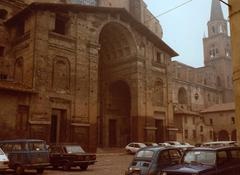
{"x":85,"y":2}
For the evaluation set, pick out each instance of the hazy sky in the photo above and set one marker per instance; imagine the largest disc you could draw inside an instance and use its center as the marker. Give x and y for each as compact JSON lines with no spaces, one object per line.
{"x":184,"y":27}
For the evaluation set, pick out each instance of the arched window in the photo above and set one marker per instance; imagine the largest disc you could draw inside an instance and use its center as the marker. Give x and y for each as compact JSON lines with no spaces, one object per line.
{"x":158,"y":93}
{"x":182,"y":96}
{"x":18,"y":69}
{"x":61,"y":74}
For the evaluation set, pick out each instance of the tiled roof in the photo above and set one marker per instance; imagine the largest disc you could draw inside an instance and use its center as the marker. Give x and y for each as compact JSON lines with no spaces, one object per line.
{"x":220,"y":107}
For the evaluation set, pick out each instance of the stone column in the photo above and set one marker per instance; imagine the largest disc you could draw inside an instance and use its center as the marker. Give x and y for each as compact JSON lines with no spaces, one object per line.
{"x":234,"y":13}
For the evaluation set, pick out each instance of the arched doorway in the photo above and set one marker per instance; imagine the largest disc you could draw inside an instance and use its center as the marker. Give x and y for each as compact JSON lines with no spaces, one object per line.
{"x":114,"y":98}
{"x":223,"y":135}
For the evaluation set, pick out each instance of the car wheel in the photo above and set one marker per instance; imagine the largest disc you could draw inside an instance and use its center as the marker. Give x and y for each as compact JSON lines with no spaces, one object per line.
{"x":66,"y":166}
{"x":19,"y":170}
{"x":84,"y":167}
{"x":40,"y":170}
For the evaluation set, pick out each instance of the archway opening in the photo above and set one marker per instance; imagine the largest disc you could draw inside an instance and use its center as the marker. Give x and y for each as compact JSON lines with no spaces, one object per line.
{"x":114,"y":109}
{"x":223,"y":135}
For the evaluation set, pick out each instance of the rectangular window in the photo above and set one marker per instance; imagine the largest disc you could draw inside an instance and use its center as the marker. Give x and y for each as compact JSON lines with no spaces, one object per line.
{"x":1,"y":51}
{"x":211,"y":121}
{"x":233,"y":120}
{"x":186,"y":133}
{"x":160,"y":58}
{"x":61,"y":24}
{"x":194,"y":134}
{"x":201,"y":128}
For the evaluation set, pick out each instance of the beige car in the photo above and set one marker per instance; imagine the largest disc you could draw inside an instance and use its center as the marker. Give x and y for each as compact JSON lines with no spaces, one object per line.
{"x":3,"y":160}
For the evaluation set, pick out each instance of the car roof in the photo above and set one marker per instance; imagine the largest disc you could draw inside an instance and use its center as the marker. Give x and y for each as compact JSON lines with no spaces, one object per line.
{"x":214,"y":148}
{"x":157,"y":148}
{"x":21,"y":140}
{"x":220,"y":142}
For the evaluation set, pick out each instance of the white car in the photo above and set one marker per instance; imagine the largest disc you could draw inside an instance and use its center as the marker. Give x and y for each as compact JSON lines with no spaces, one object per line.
{"x":164,"y":144}
{"x":3,"y":160}
{"x":133,"y":147}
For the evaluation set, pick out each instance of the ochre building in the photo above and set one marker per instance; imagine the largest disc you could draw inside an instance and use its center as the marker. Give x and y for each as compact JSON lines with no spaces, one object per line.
{"x":91,"y":74}
{"x":203,"y":97}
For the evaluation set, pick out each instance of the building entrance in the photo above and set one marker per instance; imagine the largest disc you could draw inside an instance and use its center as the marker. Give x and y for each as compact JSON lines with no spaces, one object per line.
{"x":58,"y":126}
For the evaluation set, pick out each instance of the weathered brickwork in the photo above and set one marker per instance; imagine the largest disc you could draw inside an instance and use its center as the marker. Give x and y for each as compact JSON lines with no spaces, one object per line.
{"x":90,"y":75}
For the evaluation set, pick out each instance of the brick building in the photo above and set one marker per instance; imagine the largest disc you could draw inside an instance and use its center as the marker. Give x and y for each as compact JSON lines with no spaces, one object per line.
{"x":87,"y":74}
{"x":197,"y":91}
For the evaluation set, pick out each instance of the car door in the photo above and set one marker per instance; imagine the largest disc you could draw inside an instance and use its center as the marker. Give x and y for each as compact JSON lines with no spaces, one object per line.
{"x":235,"y":161}
{"x":163,"y":160}
{"x":55,"y":154}
{"x":175,"y":156}
{"x":224,"y":165}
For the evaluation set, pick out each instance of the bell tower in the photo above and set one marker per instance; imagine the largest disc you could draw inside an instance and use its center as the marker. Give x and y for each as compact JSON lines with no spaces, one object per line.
{"x":217,"y":51}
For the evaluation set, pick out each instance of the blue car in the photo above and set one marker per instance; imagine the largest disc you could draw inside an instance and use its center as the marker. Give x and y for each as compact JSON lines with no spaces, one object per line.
{"x":26,"y":154}
{"x":208,"y":161}
{"x":151,"y":160}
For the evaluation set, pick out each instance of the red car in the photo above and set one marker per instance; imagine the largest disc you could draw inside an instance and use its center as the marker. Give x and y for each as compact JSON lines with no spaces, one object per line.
{"x":69,"y":155}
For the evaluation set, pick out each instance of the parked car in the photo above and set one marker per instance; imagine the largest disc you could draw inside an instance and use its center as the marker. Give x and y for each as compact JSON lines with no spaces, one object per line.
{"x":151,"y":160}
{"x":133,"y":147}
{"x":26,"y":154}
{"x":220,"y":143}
{"x":208,"y":161}
{"x":70,"y":155}
{"x":150,"y":144}
{"x":3,"y":160}
{"x":173,"y":142}
{"x":164,"y":144}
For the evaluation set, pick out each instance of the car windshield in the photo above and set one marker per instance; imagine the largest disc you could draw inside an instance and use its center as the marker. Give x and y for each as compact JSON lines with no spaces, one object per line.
{"x":74,"y":149}
{"x":201,"y":157}
{"x":145,"y":154}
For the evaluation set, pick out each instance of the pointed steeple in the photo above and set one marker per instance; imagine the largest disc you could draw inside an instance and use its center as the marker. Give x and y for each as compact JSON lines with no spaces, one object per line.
{"x":216,"y":11}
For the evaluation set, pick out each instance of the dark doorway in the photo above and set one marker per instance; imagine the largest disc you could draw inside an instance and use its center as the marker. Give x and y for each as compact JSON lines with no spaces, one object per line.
{"x":112,"y":133}
{"x":54,"y":126}
{"x":160,"y":131}
{"x":58,"y":126}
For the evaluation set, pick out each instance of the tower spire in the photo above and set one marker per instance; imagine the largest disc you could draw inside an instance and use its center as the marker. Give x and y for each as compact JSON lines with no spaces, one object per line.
{"x":216,"y":11}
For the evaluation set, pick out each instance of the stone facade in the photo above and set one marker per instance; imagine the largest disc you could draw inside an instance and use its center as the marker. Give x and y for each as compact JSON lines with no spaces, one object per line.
{"x":197,"y":89}
{"x":222,"y":118}
{"x":85,"y":74}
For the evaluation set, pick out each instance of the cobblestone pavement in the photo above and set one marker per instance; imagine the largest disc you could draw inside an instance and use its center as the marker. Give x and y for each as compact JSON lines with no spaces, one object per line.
{"x":107,"y":164}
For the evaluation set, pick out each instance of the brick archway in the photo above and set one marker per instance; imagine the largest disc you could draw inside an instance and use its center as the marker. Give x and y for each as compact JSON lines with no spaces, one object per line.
{"x":117,"y":49}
